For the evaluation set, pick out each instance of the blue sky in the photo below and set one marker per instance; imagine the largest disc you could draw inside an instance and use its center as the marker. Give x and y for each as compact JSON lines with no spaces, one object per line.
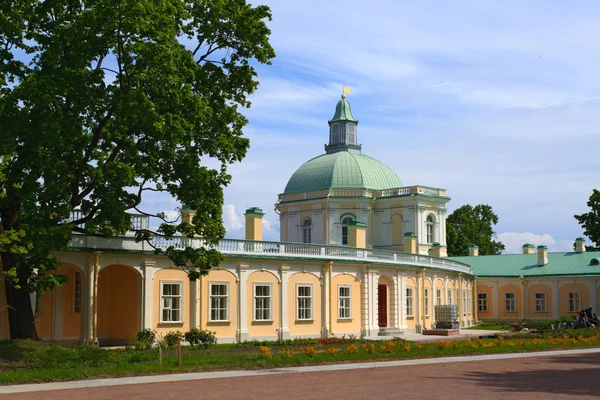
{"x":498,"y":102}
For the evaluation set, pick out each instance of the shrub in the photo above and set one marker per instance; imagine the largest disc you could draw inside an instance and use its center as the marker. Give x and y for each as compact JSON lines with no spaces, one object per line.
{"x":204,"y":338}
{"x":171,"y":339}
{"x":331,"y":351}
{"x":352,"y":349}
{"x":146,"y":336}
{"x":265,"y":352}
{"x":135,"y":344}
{"x":309,"y":350}
{"x":388,"y":347}
{"x":368,"y":347}
{"x":405,"y":347}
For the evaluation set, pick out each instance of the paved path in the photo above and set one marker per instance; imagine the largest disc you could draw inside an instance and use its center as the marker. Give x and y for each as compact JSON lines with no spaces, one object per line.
{"x":549,"y":375}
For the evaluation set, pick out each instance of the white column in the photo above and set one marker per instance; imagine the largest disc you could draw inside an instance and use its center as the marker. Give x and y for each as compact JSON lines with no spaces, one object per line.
{"x":394,"y":304}
{"x":442,"y":238}
{"x":242,"y":331}
{"x":495,"y":299}
{"x":284,"y":331}
{"x":417,"y":301}
{"x":526,"y":300}
{"x":445,"y":294}
{"x":364,"y":301}
{"x":433,"y":299}
{"x":325,"y":302}
{"x":87,"y":295}
{"x":148,"y":295}
{"x":194,"y":304}
{"x":402,"y":300}
{"x":373,"y":302}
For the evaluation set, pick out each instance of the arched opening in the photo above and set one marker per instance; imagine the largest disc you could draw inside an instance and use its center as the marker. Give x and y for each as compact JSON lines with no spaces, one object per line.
{"x":430,"y":224}
{"x":119,"y":304}
{"x":306,"y":230}
{"x":345,"y":223}
{"x":335,"y":134}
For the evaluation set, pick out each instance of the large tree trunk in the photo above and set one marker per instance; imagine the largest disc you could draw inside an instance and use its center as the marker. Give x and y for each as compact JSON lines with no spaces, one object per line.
{"x":20,"y":314}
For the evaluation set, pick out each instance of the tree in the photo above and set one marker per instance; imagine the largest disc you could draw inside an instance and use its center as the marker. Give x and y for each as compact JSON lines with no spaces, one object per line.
{"x":590,"y":221}
{"x":472,"y":225}
{"x":102,"y":101}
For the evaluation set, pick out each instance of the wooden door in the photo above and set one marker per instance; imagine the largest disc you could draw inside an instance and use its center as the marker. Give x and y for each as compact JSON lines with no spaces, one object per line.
{"x":382,"y":305}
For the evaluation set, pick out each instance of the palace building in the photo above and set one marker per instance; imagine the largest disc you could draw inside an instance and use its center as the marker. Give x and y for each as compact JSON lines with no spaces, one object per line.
{"x":359,"y":254}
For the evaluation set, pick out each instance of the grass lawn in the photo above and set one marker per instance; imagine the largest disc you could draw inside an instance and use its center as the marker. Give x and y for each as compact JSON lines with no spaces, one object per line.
{"x":29,"y":361}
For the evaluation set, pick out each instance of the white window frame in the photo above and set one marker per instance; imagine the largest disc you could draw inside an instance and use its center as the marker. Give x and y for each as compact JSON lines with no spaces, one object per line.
{"x":310,"y":300}
{"x":162,"y":303}
{"x":482,"y":302}
{"x":426,"y":301}
{"x":430,"y":229}
{"x":513,"y":302}
{"x":254,"y":298}
{"x":341,"y":306}
{"x":438,"y":296}
{"x":410,"y":302}
{"x":345,"y":223}
{"x":573,"y":298}
{"x":77,"y":292}
{"x":449,"y":295}
{"x":464,"y":301}
{"x":540,"y":303}
{"x":210,"y":303}
{"x":469,"y":302}
{"x":306,"y":230}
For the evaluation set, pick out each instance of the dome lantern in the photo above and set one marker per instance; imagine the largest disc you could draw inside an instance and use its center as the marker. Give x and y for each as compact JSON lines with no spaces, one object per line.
{"x":343,"y":130}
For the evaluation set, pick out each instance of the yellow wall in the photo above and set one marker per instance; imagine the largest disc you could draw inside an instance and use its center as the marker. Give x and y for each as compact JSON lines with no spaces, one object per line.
{"x":397,"y":238}
{"x":222,"y":329}
{"x":439,"y":284}
{"x":490,"y":305}
{"x":519,"y":302}
{"x":428,"y":318}
{"x":118,"y":307}
{"x":175,"y":275}
{"x":341,"y":326}
{"x":253,"y":227}
{"x":304,"y":327}
{"x":563,"y":299}
{"x":538,"y":288}
{"x":411,"y":321}
{"x":263,"y":328}
{"x":71,"y":320}
{"x":43,"y":322}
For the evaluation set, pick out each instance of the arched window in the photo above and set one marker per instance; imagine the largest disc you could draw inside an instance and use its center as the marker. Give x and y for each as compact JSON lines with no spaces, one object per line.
{"x":345,"y":223}
{"x":306,"y":230}
{"x":430,"y":232}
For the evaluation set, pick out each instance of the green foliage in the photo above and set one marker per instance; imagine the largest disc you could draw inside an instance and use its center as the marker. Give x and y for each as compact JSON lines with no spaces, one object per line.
{"x":84,"y":356}
{"x":204,"y":338}
{"x":472,"y":225}
{"x":171,"y":339}
{"x":101,"y":103}
{"x":590,"y":221}
{"x":146,"y":336}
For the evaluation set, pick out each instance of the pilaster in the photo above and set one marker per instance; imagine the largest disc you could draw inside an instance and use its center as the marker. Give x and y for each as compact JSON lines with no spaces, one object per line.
{"x":364,"y":302}
{"x":242,"y":331}
{"x":496,"y":300}
{"x":325,"y":302}
{"x":555,"y":300}
{"x":148,"y":295}
{"x":284,"y":331}
{"x":373,"y":302}
{"x":394,"y":304}
{"x":402,"y":300}
{"x":195,"y":304}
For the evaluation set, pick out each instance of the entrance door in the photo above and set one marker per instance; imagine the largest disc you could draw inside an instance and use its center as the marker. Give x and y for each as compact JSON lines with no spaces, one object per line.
{"x":382,"y":305}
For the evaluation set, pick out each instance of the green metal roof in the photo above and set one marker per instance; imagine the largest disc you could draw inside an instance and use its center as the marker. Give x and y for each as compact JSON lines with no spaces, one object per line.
{"x":342,"y":170}
{"x":343,"y":112}
{"x":514,"y":265}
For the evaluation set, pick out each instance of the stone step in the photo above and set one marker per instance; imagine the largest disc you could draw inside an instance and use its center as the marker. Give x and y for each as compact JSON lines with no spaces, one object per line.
{"x":390,"y":332}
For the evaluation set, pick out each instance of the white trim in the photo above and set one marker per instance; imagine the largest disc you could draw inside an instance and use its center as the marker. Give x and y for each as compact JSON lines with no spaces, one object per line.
{"x":577,"y":309}
{"x":227,"y":297}
{"x":270,"y":285}
{"x":513,"y":302}
{"x":543,"y":309}
{"x":481,"y":301}
{"x":311,"y":297}
{"x":349,"y":297}
{"x":426,"y":301}
{"x":412,"y":301}
{"x":160,"y":316}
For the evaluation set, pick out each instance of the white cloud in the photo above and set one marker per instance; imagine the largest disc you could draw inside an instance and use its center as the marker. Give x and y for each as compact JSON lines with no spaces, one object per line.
{"x":232,"y":220}
{"x":514,"y":241}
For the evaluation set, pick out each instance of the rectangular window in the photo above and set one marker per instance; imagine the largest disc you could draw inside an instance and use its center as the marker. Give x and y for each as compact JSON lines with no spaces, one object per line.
{"x":464,"y":301}
{"x":430,"y":233}
{"x":304,"y":305}
{"x":262,"y":302}
{"x":574,"y":301}
{"x":456,"y":297}
{"x":219,"y":302}
{"x":449,"y":297}
{"x":77,"y":293}
{"x":510,"y":302}
{"x":426,"y":302}
{"x":482,"y":302}
{"x":344,"y":302}
{"x":171,"y":294}
{"x":438,"y":293}
{"x":409,"y":302}
{"x":540,"y":302}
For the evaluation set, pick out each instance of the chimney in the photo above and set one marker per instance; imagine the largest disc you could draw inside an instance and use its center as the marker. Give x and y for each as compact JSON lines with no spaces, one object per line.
{"x":187,"y":214}
{"x":579,"y":245}
{"x":254,"y":218}
{"x":473,"y":250}
{"x":437,"y":250}
{"x":528,"y":248}
{"x":542,"y":255}
{"x":410,"y":243}
{"x":357,"y":234}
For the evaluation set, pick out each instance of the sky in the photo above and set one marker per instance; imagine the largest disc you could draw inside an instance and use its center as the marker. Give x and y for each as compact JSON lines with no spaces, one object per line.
{"x":498,"y":102}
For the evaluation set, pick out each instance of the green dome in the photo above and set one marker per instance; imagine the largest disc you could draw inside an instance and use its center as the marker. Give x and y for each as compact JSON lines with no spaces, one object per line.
{"x":342,"y":170}
{"x":343,"y":112}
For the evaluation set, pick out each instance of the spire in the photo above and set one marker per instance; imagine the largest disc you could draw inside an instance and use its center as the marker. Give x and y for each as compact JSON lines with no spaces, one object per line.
{"x":343,"y":128}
